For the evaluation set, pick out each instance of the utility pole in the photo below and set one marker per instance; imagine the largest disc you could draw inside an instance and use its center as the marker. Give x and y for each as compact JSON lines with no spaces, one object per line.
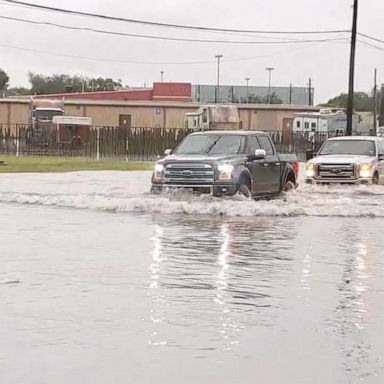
{"x":247,"y":80}
{"x":269,"y":69}
{"x":161,"y":76}
{"x":352,"y":70}
{"x":375,"y":103}
{"x":310,"y":101}
{"x":381,"y":109}
{"x":290,"y":93}
{"x":217,"y":98}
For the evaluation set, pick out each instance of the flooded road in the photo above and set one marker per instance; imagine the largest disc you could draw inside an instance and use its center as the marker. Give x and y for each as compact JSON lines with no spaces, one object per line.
{"x":102,"y":283}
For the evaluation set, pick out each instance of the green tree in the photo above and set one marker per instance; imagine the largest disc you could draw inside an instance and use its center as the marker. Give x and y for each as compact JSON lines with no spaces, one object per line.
{"x":60,"y":83}
{"x":362,"y":102}
{"x":273,"y":99}
{"x":101,"y":84}
{"x":19,"y":91}
{"x":4,"y":80}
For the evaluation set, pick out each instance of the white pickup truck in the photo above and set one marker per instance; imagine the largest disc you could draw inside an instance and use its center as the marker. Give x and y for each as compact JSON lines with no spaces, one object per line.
{"x":348,"y":160}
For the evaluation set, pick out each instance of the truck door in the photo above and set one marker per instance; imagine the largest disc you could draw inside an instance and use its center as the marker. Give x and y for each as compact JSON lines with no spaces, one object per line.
{"x":271,"y":165}
{"x":258,"y":171}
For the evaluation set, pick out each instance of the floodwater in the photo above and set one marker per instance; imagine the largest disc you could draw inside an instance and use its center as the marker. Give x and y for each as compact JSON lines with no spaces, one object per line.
{"x":102,"y":283}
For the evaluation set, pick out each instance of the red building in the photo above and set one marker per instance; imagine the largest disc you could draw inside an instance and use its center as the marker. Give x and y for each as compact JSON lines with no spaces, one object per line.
{"x":159,"y":92}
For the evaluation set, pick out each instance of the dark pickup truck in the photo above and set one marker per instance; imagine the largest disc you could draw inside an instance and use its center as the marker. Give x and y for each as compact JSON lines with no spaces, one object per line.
{"x":226,"y":163}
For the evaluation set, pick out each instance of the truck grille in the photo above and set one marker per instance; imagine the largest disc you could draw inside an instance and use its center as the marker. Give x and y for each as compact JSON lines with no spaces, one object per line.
{"x":336,"y":171}
{"x":189,"y":174}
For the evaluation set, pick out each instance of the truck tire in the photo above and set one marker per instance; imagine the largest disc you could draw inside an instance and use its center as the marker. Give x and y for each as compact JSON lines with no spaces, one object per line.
{"x":289,"y":186}
{"x":244,"y":190}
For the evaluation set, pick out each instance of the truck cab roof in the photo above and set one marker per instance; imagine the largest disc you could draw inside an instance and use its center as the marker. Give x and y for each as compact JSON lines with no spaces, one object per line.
{"x":234,"y":132}
{"x":374,"y":138}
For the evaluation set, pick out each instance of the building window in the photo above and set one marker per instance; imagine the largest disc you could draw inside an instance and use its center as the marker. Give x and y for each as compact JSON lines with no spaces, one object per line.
{"x":298,"y":124}
{"x":313,"y":125}
{"x":306,"y":125}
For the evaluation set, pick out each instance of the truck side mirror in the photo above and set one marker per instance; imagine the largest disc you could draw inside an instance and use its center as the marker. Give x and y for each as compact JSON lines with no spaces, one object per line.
{"x":381,"y":157}
{"x":260,"y":154}
{"x":168,"y":152}
{"x":310,"y":154}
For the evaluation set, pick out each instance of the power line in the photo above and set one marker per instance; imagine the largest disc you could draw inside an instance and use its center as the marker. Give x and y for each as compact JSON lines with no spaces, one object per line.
{"x":119,"y":61}
{"x":371,"y":37}
{"x":371,"y":45}
{"x":166,"y":25}
{"x":52,"y":53}
{"x":179,"y":39}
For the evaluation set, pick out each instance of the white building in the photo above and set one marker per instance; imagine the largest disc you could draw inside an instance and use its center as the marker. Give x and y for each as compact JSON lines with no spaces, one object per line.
{"x":324,"y":121}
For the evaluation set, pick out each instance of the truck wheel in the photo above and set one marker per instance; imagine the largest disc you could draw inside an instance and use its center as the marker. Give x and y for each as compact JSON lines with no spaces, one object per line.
{"x":375,"y":179}
{"x":289,"y":186}
{"x":244,"y":190}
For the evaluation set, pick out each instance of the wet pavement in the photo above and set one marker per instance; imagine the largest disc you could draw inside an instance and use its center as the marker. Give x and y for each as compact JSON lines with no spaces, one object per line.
{"x":103,"y":283}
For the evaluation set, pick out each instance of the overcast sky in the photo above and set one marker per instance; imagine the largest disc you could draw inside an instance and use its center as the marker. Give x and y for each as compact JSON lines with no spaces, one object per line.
{"x":326,"y":63}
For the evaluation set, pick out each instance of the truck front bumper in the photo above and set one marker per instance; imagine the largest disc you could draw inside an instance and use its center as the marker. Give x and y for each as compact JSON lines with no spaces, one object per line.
{"x":355,"y":181}
{"x":214,"y":189}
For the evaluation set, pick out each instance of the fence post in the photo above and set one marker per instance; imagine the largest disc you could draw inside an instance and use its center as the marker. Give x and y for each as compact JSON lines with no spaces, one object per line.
{"x":98,"y":144}
{"x":17,"y":141}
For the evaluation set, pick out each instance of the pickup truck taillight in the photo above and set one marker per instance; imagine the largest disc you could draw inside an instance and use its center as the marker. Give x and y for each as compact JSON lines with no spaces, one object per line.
{"x":296,"y":167}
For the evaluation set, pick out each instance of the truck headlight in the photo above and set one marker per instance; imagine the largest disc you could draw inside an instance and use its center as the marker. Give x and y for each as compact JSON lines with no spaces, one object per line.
{"x":310,"y":170}
{"x":365,"y":170}
{"x":225,"y":172}
{"x":158,"y":173}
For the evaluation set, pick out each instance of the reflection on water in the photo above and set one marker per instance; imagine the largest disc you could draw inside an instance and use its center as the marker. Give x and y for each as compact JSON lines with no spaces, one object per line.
{"x":211,"y":281}
{"x":352,"y":314}
{"x":158,"y":300}
{"x":306,"y":272}
{"x":217,"y":275}
{"x":170,"y":298}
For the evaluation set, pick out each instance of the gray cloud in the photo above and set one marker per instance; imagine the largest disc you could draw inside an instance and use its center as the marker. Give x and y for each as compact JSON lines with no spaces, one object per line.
{"x":326,"y":63}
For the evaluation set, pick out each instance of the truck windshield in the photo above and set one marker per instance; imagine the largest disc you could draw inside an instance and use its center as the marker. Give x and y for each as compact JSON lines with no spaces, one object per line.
{"x":349,"y":147}
{"x":47,"y":115}
{"x":211,"y":144}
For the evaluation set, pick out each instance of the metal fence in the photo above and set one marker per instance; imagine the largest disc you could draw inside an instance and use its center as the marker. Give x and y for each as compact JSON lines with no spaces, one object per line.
{"x":136,"y":143}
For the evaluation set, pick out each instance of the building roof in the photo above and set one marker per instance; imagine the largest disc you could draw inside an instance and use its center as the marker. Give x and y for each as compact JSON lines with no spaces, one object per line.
{"x":159,"y":91}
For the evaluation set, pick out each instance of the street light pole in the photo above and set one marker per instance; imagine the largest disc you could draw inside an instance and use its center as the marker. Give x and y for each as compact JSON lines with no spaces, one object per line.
{"x":352,"y":70}
{"x":161,"y":76}
{"x":217,"y":98}
{"x":247,"y":80}
{"x":269,"y":69}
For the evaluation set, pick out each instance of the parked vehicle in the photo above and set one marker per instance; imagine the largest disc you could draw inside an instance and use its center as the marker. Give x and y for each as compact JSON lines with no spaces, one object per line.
{"x":226,"y":163}
{"x":213,"y":117}
{"x":350,"y":159}
{"x":72,"y":130}
{"x":41,"y":114}
{"x":380,"y":131}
